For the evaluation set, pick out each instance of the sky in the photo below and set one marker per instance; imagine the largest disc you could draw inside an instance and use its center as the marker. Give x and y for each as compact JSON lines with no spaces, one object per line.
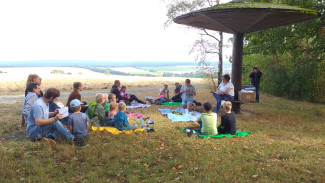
{"x":100,"y":30}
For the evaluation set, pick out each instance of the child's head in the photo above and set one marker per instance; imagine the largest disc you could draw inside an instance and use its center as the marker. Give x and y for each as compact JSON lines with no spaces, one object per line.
{"x":123,"y":88}
{"x":100,"y":98}
{"x":113,"y":106}
{"x":112,"y":97}
{"x":121,"y":107}
{"x":207,"y":107}
{"x":75,"y":105}
{"x":227,"y":106}
{"x":33,"y":87}
{"x":78,"y":86}
{"x":165,"y":86}
{"x":106,"y":97}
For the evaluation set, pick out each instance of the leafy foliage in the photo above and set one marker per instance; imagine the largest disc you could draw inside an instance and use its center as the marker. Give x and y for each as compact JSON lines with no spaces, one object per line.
{"x":293,"y":56}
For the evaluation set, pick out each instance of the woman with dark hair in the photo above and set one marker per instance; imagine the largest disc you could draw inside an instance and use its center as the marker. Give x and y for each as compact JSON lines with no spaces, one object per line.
{"x":225,"y":92}
{"x":78,"y":87}
{"x":127,"y":98}
{"x":177,"y":94}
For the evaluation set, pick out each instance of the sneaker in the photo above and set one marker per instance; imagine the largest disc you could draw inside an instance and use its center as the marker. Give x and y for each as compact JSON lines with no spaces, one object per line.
{"x":48,"y":141}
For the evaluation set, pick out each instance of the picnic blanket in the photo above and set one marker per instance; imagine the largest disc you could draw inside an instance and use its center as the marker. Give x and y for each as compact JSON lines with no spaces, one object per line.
{"x":136,"y":105}
{"x":181,"y":117}
{"x":171,"y":103}
{"x":238,"y":134}
{"x":115,"y":131}
{"x":132,"y":115}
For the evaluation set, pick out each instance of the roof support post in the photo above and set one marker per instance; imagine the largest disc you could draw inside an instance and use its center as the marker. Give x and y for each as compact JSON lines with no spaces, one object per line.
{"x":236,"y":71}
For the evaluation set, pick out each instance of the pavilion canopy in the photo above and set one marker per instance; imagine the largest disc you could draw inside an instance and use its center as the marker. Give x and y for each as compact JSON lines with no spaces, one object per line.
{"x":245,"y":17}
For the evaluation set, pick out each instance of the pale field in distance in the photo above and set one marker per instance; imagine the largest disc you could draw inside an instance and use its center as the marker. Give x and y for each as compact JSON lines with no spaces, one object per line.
{"x":14,"y":80}
{"x":130,"y":70}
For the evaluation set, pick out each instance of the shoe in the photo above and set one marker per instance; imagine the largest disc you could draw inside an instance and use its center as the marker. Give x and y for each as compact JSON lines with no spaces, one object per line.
{"x":151,"y":102}
{"x":48,"y":141}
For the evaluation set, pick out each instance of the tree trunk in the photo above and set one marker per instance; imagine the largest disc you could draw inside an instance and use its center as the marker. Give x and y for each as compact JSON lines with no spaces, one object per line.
{"x":220,"y":58}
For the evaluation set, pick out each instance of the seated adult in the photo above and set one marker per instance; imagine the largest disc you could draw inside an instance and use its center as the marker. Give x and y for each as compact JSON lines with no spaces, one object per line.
{"x":127,"y":98}
{"x":42,"y":124}
{"x":177,"y":94}
{"x":187,"y":91}
{"x":78,"y":87}
{"x":225,"y":92}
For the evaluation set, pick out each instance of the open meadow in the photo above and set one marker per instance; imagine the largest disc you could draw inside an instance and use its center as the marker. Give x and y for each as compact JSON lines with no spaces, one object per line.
{"x":13,"y":80}
{"x":287,"y":144}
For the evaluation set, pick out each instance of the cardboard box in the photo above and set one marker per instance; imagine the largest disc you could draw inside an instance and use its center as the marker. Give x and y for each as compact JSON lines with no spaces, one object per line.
{"x":246,"y":97}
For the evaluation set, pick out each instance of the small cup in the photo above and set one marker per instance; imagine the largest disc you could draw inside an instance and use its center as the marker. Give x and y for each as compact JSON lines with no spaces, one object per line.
{"x":186,"y":111}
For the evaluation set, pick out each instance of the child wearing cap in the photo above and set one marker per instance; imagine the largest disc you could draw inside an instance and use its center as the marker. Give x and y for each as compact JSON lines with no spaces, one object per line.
{"x":208,"y":120}
{"x":228,"y":120}
{"x":121,"y":119}
{"x":78,"y":123}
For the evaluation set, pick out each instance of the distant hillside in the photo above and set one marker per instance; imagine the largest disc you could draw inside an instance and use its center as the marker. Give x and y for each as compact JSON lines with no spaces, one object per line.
{"x":90,"y":63}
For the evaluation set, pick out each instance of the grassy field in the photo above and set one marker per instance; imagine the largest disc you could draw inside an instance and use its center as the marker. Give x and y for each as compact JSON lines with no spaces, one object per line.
{"x":98,"y":83}
{"x":287,"y":144}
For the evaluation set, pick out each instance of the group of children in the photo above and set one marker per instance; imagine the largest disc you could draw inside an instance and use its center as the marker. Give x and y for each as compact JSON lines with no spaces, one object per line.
{"x":208,"y":121}
{"x":107,"y":112}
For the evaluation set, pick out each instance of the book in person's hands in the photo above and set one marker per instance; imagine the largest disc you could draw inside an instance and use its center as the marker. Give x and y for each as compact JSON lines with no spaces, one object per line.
{"x":64,"y":111}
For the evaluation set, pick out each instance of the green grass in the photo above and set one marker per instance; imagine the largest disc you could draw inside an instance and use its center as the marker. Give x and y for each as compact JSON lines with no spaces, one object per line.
{"x":287,"y":144}
{"x":168,"y":68}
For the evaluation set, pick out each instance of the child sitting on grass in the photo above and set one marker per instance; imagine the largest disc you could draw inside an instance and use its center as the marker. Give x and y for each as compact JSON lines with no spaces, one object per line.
{"x":208,"y":121}
{"x":121,"y":119}
{"x":128,"y":98}
{"x":228,"y":120}
{"x":112,"y":109}
{"x":163,"y":96}
{"x":111,"y":98}
{"x":100,"y":118}
{"x":78,"y":123}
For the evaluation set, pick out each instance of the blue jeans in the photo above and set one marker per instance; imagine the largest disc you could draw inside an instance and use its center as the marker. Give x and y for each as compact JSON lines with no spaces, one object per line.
{"x":161,"y":100}
{"x":257,"y":89}
{"x":219,"y":98}
{"x":107,"y":123}
{"x":51,"y":130}
{"x":132,"y":127}
{"x":133,"y":97}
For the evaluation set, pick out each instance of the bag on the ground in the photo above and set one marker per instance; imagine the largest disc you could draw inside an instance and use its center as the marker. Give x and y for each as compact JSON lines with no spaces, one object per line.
{"x":90,"y":110}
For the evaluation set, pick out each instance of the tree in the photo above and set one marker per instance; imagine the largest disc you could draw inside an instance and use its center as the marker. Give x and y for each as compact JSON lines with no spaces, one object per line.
{"x":292,"y":56}
{"x":209,"y":43}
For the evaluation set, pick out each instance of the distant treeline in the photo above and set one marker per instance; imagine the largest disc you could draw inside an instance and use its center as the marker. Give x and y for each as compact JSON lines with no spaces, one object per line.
{"x":110,"y":71}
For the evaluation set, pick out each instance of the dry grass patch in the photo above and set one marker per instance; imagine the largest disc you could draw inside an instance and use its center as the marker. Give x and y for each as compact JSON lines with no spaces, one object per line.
{"x":286,"y":145}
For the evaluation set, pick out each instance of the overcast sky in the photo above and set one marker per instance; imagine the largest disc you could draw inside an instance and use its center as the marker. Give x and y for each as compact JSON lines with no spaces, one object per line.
{"x":107,"y":30}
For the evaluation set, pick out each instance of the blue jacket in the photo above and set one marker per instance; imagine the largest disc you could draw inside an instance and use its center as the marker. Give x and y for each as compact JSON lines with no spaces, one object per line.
{"x":121,"y":121}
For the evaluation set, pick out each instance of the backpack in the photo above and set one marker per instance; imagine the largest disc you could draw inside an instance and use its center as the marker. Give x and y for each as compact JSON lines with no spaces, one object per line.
{"x":90,"y":110}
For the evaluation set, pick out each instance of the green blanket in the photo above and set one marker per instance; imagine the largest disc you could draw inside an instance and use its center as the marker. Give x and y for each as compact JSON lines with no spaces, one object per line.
{"x":239,"y":134}
{"x":171,"y":103}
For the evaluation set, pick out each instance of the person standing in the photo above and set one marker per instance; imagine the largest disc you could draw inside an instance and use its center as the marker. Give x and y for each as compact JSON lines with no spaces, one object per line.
{"x":255,"y":76}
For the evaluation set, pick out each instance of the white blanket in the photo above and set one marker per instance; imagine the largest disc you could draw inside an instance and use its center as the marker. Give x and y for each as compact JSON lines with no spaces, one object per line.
{"x":137,"y":105}
{"x":180,"y":118}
